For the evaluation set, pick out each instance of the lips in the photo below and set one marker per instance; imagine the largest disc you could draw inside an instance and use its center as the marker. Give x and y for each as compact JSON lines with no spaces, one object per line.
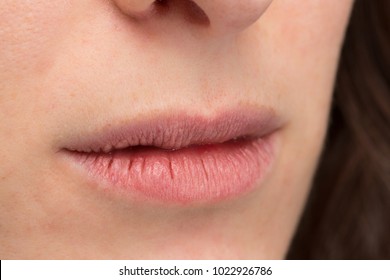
{"x":180,"y":158}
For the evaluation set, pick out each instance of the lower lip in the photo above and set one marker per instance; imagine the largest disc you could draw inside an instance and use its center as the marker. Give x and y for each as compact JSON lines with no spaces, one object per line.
{"x":204,"y":173}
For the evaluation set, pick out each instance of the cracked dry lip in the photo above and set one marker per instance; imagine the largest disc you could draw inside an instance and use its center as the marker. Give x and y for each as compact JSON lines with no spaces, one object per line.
{"x":180,"y":158}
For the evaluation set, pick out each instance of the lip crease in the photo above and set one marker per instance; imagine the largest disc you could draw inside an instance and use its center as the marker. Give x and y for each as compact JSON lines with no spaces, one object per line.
{"x":180,"y":158}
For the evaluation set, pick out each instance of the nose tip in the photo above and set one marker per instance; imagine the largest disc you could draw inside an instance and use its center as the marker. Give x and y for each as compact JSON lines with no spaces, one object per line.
{"x":225,"y":16}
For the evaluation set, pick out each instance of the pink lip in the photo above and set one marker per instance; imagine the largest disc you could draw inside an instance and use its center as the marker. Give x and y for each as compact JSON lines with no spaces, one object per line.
{"x":180,"y":158}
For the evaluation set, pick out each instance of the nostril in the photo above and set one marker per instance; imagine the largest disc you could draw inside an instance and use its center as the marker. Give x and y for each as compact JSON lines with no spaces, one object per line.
{"x":140,"y":10}
{"x":220,"y":16}
{"x":196,"y":14}
{"x":161,"y":3}
{"x":188,"y":9}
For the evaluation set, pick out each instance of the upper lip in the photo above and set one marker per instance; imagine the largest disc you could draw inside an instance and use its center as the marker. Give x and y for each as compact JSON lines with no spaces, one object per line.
{"x":178,"y":130}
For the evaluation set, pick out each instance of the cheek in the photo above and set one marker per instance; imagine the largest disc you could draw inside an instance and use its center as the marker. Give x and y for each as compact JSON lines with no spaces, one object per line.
{"x":28,"y":28}
{"x":303,"y":43}
{"x":30,"y":33}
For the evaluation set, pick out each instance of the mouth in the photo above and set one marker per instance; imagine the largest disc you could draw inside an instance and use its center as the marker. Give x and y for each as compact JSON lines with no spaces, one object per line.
{"x":179,"y":158}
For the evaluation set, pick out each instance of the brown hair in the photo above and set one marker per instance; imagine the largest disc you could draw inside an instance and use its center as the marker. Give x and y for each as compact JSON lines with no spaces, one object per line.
{"x":347,"y":215}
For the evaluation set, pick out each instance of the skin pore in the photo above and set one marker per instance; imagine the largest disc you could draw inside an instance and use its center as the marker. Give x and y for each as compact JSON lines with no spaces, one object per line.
{"x":68,"y":67}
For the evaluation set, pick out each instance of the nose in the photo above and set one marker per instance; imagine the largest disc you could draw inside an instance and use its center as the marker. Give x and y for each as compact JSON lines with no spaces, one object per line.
{"x":135,"y":7}
{"x":233,"y":15}
{"x":223,"y":16}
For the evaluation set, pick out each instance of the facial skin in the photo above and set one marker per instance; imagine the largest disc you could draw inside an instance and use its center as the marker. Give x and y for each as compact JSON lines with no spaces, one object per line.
{"x":68,"y":66}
